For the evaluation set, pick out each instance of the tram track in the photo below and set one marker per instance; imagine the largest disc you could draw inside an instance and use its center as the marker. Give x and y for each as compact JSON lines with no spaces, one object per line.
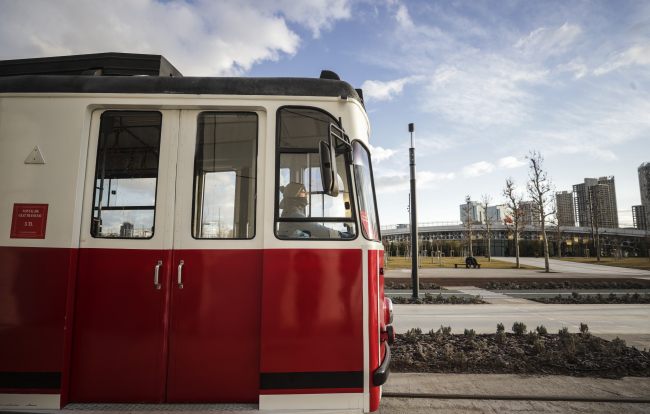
{"x":516,"y":398}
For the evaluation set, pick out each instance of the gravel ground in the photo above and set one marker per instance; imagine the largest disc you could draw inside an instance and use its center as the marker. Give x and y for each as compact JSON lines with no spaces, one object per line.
{"x":506,"y":353}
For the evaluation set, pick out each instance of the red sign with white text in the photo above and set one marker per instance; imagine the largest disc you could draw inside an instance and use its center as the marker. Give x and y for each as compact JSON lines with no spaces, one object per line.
{"x":29,"y":221}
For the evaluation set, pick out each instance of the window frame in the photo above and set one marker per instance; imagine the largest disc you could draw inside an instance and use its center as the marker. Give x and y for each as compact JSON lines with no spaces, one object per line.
{"x":97,"y":161}
{"x":276,"y":208}
{"x":257,"y":144}
{"x":374,"y":191}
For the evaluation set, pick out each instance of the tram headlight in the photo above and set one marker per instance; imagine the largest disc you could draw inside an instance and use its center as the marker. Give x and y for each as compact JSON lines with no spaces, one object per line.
{"x":388,"y":311}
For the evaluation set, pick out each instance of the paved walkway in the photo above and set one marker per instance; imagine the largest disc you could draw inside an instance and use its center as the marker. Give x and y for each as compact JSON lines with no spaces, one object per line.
{"x":629,"y":322}
{"x":482,"y":384}
{"x":564,"y":266}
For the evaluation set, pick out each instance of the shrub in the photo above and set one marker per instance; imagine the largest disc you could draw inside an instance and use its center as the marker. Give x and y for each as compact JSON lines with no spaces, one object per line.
{"x":419,"y":302}
{"x":533,"y":285}
{"x":636,"y":296}
{"x":599,"y":297}
{"x":440,"y":298}
{"x":461,"y":359}
{"x":577,"y":285}
{"x":481,"y":345}
{"x":422,"y":286}
{"x":539,"y":347}
{"x":500,"y":327}
{"x":564,"y":332}
{"x":421,"y":352}
{"x":612,"y":296}
{"x":584,"y":328}
{"x":614,"y":285}
{"x":575,"y":294}
{"x":470,"y":334}
{"x":626,"y":297}
{"x":436,"y":335}
{"x":411,"y":335}
{"x":449,"y":351}
{"x":519,"y":328}
{"x":552,"y":285}
{"x":617,"y":345}
{"x":445,"y":331}
{"x":429,"y":297}
{"x":532,"y":337}
{"x":501,"y":336}
{"x":541,"y":330}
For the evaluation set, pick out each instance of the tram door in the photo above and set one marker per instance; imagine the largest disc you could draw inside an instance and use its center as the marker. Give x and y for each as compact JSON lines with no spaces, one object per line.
{"x":217,"y":271}
{"x":168,"y":295}
{"x":122,"y":291}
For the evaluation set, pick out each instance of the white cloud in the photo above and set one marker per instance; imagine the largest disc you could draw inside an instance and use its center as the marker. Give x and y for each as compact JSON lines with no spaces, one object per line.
{"x":379,"y":154}
{"x":510,"y":162}
{"x":390,"y":183}
{"x":201,"y":38}
{"x":382,"y":91}
{"x":483,"y":90}
{"x":576,"y":66}
{"x":479,"y":168}
{"x":636,"y":55}
{"x":546,"y":42}
{"x":403,"y":18}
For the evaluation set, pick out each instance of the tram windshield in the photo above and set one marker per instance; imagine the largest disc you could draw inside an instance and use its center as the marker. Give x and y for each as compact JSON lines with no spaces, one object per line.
{"x":303,"y":210}
{"x":365,"y":192}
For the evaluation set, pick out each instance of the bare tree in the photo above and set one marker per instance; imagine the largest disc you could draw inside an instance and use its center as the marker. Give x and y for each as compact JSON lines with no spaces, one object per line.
{"x":518,"y":218}
{"x":490,"y":220}
{"x":559,"y":230}
{"x":541,"y":192}
{"x":468,"y":223}
{"x":593,"y":194}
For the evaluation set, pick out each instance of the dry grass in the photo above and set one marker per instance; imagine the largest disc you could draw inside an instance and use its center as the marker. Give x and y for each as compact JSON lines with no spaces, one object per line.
{"x":640,"y":263}
{"x":405,"y":263}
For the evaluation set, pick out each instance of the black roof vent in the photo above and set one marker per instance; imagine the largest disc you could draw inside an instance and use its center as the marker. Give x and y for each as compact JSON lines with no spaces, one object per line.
{"x":328,"y":74}
{"x":98,"y":64}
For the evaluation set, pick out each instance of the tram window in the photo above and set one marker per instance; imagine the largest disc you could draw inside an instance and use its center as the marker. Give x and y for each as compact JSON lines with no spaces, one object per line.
{"x":126,"y":175}
{"x":303,"y":127}
{"x":225,"y":176}
{"x":303,"y":209}
{"x":365,"y":192}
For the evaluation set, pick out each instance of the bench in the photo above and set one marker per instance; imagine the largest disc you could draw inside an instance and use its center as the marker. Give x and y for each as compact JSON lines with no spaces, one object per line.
{"x":463,"y":265}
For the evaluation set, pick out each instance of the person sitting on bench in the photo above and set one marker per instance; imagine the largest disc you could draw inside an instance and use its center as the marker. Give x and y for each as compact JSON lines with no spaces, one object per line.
{"x":470,"y":261}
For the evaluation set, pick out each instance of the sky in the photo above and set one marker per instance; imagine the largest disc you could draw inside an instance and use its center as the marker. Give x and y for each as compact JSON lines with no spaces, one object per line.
{"x":484,"y":82}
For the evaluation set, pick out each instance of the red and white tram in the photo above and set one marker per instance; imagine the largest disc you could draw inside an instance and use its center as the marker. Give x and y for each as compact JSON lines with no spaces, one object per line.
{"x":186,"y":239}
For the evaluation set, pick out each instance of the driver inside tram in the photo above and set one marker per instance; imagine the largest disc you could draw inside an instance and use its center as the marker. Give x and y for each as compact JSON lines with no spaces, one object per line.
{"x":294,"y":205}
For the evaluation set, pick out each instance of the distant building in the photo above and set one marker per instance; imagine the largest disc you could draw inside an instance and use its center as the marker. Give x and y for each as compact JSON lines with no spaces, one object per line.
{"x":641,"y":214}
{"x":565,"y":210}
{"x":640,"y":217}
{"x":531,"y":214}
{"x":596,"y":197}
{"x":476,"y":212}
{"x":499,"y":214}
{"x":126,"y":229}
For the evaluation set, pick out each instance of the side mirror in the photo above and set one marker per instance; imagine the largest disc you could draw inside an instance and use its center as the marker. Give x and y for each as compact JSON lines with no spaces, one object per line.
{"x":328,"y":173}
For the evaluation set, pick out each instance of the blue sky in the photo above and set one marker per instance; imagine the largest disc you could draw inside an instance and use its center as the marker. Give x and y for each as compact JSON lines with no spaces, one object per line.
{"x":484,"y":82}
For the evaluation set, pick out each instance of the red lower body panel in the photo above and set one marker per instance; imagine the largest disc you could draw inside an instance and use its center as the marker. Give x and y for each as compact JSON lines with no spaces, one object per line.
{"x":119,"y":339}
{"x":312,"y":320}
{"x":373,"y":325}
{"x":216,"y":318}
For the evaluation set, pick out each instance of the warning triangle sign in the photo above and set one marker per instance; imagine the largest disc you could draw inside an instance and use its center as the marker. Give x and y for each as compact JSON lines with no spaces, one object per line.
{"x":35,"y":157}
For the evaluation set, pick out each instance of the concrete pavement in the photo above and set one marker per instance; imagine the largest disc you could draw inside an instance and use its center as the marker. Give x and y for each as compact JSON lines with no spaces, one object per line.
{"x":565,"y":266}
{"x":482,"y":384}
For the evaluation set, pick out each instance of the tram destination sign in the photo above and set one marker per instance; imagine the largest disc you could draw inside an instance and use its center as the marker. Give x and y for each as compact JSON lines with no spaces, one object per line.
{"x":29,"y":221}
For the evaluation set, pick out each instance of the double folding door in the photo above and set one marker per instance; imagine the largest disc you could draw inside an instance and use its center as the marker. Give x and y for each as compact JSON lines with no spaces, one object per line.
{"x":168,"y":291}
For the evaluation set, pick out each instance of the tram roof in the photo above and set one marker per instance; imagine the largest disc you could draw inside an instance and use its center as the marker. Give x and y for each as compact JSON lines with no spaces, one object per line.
{"x":114,"y":73}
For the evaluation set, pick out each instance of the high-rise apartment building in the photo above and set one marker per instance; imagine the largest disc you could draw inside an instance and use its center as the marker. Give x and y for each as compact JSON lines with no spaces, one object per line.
{"x":126,"y":229}
{"x":565,"y":210}
{"x":531,"y":214}
{"x":499,"y":214}
{"x":596,"y":198}
{"x":476,"y":212}
{"x":641,"y":214}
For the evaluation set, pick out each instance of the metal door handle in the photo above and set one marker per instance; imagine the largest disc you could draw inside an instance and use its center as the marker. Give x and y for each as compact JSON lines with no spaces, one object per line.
{"x":155,"y":279}
{"x":180,"y":268}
